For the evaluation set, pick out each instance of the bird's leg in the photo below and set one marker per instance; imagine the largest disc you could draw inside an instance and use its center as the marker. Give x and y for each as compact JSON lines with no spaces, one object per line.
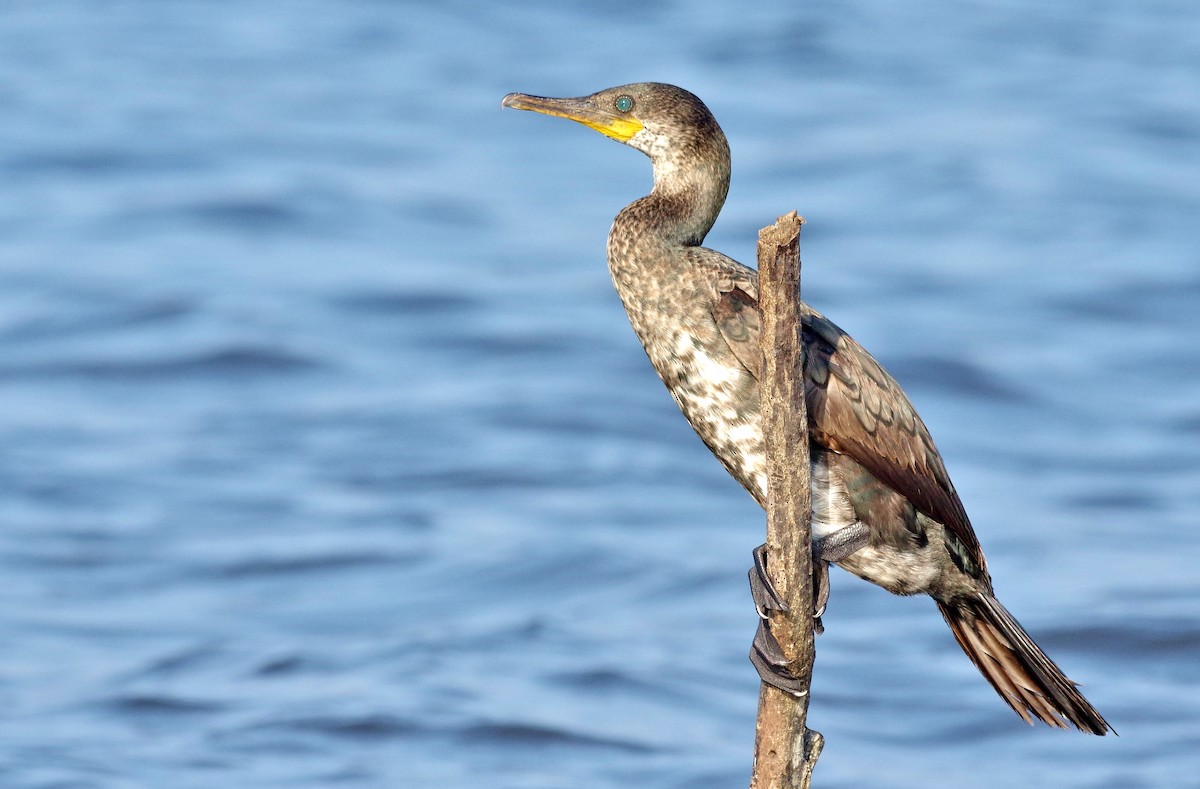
{"x":831,"y":549}
{"x":841,"y":543}
{"x":765,"y":653}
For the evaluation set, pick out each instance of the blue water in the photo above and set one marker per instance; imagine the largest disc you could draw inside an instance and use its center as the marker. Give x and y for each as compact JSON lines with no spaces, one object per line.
{"x":329,"y":459}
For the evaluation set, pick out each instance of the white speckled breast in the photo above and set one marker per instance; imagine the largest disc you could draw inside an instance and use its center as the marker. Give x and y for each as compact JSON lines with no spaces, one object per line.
{"x":720,"y":399}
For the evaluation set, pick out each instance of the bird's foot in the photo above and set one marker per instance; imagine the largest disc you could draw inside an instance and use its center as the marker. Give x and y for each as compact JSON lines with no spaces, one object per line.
{"x":766,"y":599}
{"x":765,"y":653}
{"x":771,"y":664}
{"x":761,"y":589}
{"x":828,"y":549}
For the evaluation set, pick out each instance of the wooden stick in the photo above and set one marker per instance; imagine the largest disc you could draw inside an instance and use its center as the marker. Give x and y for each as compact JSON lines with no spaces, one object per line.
{"x":785,"y":750}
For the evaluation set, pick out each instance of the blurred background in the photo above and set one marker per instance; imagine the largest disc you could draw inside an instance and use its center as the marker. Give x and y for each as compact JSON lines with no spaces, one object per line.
{"x":329,"y":458}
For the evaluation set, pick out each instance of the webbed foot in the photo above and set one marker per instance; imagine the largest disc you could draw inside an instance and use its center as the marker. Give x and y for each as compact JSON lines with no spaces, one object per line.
{"x":771,"y":664}
{"x":765,"y":653}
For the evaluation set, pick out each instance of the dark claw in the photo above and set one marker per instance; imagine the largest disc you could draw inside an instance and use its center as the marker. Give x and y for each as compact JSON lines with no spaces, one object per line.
{"x":767,"y":599}
{"x":768,"y":660}
{"x":820,"y":588}
{"x":767,"y":647}
{"x":761,"y":590}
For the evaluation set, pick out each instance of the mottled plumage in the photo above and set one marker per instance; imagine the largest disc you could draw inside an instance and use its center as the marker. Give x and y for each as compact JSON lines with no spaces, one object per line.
{"x":874,"y":462}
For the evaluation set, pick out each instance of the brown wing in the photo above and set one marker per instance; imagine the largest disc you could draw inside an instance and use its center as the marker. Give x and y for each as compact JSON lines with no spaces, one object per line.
{"x":855,"y":408}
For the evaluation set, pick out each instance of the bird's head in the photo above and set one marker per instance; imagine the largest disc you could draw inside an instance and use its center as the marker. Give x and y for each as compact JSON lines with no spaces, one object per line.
{"x":664,"y":122}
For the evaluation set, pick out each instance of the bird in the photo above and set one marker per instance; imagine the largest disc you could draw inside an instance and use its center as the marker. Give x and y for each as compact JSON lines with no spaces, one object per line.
{"x":884,"y":507}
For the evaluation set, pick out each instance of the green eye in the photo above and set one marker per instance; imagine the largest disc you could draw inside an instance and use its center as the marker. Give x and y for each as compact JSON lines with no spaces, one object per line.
{"x":624,"y":103}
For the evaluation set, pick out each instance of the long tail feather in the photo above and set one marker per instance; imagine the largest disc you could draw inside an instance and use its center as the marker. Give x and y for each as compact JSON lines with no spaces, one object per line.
{"x":1016,"y":667}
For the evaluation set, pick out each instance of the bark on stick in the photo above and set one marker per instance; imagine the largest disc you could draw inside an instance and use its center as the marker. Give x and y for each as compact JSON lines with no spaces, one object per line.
{"x":785,"y":750}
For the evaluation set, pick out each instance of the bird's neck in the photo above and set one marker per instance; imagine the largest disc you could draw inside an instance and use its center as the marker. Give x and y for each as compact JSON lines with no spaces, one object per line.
{"x":654,"y":231}
{"x":650,"y":244}
{"x":688,"y":194}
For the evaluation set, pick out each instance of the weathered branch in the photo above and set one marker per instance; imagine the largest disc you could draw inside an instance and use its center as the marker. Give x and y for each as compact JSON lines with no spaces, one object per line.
{"x":785,"y":750}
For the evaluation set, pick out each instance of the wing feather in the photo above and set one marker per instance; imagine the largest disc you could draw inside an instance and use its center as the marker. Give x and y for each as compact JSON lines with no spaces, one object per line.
{"x":856,"y":408}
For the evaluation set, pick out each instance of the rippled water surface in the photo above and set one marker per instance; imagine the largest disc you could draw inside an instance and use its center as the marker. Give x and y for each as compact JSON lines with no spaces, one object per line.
{"x":329,"y":458}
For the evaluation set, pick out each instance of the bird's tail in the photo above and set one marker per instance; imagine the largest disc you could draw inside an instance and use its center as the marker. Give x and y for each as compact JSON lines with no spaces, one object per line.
{"x":1017,"y":667}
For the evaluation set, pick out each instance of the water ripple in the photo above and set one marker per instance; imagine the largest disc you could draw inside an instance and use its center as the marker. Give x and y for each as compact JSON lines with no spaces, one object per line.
{"x":319,"y":565}
{"x":90,"y":321}
{"x":232,"y":362}
{"x":954,"y":376}
{"x":525,"y":734}
{"x":160,"y":705}
{"x":362,"y":727}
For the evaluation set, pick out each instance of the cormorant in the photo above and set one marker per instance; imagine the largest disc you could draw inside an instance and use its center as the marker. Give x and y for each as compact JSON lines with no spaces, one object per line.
{"x":883,"y":505}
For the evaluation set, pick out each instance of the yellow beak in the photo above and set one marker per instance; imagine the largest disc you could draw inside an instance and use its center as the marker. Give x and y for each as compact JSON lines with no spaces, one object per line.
{"x":581,"y":110}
